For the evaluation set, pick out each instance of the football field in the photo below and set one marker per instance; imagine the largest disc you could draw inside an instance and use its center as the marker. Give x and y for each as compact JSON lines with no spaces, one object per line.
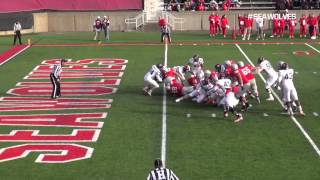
{"x":104,"y":128}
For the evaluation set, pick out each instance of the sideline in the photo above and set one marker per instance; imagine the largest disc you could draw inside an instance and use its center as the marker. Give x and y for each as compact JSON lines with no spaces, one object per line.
{"x":11,"y":53}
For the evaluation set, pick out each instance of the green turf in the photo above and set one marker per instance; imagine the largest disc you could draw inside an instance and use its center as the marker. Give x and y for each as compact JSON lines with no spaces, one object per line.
{"x":199,"y":147}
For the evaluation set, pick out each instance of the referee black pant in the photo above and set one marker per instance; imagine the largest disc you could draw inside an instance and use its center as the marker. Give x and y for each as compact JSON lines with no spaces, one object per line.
{"x":168,"y":36}
{"x":17,"y":35}
{"x":55,"y":86}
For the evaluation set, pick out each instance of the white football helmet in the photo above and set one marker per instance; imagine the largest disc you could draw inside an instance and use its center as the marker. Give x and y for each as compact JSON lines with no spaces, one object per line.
{"x":207,"y":73}
{"x":241,"y":63}
{"x":234,"y":67}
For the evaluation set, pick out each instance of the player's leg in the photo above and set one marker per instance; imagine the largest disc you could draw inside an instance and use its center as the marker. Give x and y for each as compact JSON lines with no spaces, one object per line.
{"x":294,"y":96}
{"x":54,"y":86}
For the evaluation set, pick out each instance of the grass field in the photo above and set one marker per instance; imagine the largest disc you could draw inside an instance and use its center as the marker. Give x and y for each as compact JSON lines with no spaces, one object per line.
{"x":200,"y":147}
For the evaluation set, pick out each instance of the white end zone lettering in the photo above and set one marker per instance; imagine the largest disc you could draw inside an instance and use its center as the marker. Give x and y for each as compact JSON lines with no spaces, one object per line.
{"x":77,"y":135}
{"x":55,"y":120}
{"x":56,"y":153}
{"x":102,"y":82}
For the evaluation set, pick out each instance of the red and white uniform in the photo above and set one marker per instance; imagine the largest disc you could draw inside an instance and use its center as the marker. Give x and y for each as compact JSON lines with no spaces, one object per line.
{"x":318,"y":23}
{"x":224,"y":25}
{"x":282,"y":24}
{"x":241,"y":20}
{"x":212,"y":22}
{"x":276,"y":26}
{"x":303,"y":26}
{"x":249,"y":81}
{"x":217,"y":24}
{"x":291,"y":24}
{"x":312,"y":22}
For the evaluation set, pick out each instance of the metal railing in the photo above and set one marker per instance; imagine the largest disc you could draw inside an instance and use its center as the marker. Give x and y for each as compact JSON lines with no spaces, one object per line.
{"x":174,"y":22}
{"x":138,"y":20}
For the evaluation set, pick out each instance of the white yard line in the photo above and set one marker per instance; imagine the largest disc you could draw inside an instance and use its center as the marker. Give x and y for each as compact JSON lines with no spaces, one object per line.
{"x":164,"y":112}
{"x":306,"y":135}
{"x":312,"y":47}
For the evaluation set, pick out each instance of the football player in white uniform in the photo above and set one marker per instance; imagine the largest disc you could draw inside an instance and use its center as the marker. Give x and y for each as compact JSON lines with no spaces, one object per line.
{"x":272,"y":75}
{"x":289,"y":91}
{"x":181,"y":72}
{"x":151,"y":79}
{"x":196,"y":64}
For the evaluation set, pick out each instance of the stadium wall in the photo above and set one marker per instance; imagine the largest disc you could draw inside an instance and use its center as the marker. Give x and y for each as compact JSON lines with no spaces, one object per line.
{"x":198,"y":21}
{"x":78,"y":21}
{"x":82,"y":21}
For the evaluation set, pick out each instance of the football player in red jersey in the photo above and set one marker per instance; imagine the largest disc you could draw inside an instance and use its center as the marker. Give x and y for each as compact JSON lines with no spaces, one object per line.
{"x":249,"y":81}
{"x":282,"y":24}
{"x":276,"y":25}
{"x":212,"y":23}
{"x":217,"y":24}
{"x":312,"y":21}
{"x":241,"y":24}
{"x":224,"y":25}
{"x":248,"y":21}
{"x":291,"y":24}
{"x":303,"y":26}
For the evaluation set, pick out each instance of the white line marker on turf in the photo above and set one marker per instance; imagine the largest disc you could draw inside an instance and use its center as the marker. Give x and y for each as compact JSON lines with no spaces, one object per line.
{"x":306,"y":135}
{"x":312,"y":47}
{"x":265,"y":114}
{"x":314,"y":72}
{"x":315,"y":114}
{"x":213,"y":115}
{"x":188,"y":115}
{"x":14,"y":55}
{"x":164,"y":112}
{"x":296,"y":72}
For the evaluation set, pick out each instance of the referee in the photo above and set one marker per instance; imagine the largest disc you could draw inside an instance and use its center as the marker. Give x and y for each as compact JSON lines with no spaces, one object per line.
{"x":17,"y":32}
{"x":161,"y":173}
{"x":55,"y":79}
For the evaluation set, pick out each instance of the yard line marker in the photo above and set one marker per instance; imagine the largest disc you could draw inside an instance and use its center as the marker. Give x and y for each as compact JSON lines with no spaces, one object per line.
{"x":306,"y":135}
{"x":188,"y":115}
{"x":312,"y":47}
{"x":315,"y":114}
{"x":164,"y":111}
{"x":265,"y":114}
{"x":213,"y":115}
{"x":314,"y":72}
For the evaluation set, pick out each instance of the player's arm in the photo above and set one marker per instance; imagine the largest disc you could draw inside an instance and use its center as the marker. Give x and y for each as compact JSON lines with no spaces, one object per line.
{"x":180,"y":76}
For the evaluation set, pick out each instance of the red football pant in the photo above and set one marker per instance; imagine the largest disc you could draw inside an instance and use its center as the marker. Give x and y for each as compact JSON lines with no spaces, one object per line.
{"x":224,"y":31}
{"x":212,"y":29}
{"x":275,"y":30}
{"x":303,"y":30}
{"x":217,"y":28}
{"x":291,"y":31}
{"x":241,"y":29}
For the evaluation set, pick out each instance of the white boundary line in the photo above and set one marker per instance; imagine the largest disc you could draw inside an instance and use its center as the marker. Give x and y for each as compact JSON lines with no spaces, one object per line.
{"x":164,"y":112}
{"x":14,"y":55}
{"x":306,"y":135}
{"x":312,"y":47}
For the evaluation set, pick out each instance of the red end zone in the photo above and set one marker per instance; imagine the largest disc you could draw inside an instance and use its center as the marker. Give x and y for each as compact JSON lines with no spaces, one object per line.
{"x":27,"y":98}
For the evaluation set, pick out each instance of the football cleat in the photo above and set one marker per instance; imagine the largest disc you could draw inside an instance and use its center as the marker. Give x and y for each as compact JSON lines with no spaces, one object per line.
{"x":238,"y":118}
{"x":302,"y":113}
{"x":271,"y":98}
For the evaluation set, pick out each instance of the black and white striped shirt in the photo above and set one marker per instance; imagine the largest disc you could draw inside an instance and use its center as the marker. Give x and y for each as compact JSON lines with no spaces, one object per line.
{"x":57,"y":69}
{"x":162,"y":174}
